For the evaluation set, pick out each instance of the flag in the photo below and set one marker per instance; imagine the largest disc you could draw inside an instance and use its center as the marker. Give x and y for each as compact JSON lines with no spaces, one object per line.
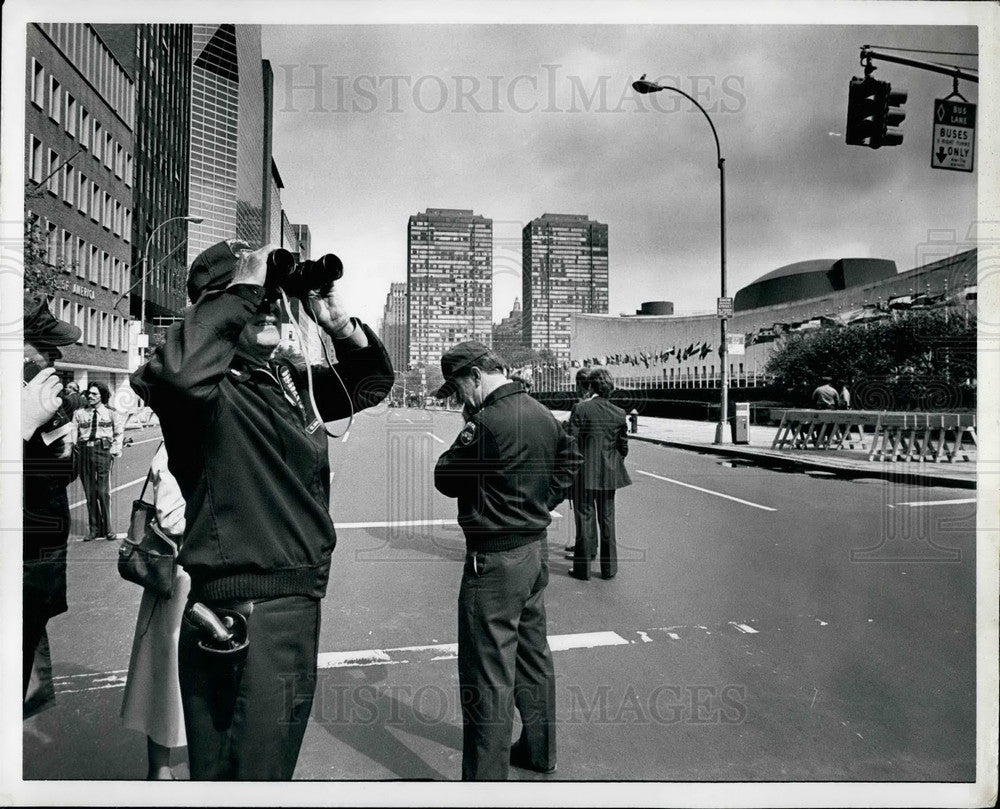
{"x":704,"y":350}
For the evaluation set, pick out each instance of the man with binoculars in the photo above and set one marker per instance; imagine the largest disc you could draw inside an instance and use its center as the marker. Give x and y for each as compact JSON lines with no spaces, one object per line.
{"x":250,"y":454}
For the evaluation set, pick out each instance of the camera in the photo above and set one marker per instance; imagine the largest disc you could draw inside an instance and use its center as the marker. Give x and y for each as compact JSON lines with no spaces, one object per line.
{"x":299,"y":279}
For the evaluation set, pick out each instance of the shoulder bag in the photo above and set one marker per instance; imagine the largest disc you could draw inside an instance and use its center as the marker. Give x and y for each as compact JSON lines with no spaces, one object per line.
{"x":145,"y":557}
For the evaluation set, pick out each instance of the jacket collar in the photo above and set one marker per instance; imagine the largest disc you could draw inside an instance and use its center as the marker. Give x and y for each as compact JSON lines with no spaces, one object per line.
{"x":505,"y":390}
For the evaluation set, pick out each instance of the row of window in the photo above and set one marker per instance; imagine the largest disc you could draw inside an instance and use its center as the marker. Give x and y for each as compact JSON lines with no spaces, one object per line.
{"x":85,"y":50}
{"x":78,"y":122}
{"x":79,"y":257}
{"x":98,"y":329}
{"x":76,"y":189}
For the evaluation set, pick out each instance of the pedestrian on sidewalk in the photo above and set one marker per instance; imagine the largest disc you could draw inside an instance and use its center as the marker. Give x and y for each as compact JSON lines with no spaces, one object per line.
{"x":825,"y":396}
{"x":509,"y":466}
{"x":602,"y":434}
{"x":843,"y":395}
{"x":47,"y":469}
{"x":251,"y":455}
{"x":100,"y":436}
{"x":152,"y":700}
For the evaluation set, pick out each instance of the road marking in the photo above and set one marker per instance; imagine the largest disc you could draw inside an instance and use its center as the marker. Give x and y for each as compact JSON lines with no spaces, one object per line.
{"x":706,"y":491}
{"x":100,"y":681}
{"x":145,"y":441}
{"x":116,"y":489}
{"x":346,"y":436}
{"x":409,"y":421}
{"x":435,"y":437}
{"x":395,"y":524}
{"x":922,"y":503}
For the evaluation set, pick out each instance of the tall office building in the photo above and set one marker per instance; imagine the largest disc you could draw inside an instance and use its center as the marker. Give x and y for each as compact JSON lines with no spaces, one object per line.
{"x":394,"y":326}
{"x":79,"y":168}
{"x":162,"y":58}
{"x":507,"y":333}
{"x":564,"y":271}
{"x":450,"y":281}
{"x":230,"y":176}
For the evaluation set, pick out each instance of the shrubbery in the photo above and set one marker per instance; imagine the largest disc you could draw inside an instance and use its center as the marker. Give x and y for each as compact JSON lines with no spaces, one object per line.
{"x":914,"y":361}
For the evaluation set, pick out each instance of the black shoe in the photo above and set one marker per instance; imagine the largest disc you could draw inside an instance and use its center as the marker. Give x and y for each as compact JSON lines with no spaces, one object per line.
{"x":520,"y":760}
{"x":570,"y":548}
{"x":111,"y":537}
{"x":608,"y":577}
{"x":579,"y":576}
{"x":89,"y":538}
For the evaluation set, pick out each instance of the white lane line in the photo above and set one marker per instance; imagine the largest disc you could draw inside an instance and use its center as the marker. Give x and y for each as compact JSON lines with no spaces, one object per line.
{"x":707,"y":491}
{"x":922,"y":503}
{"x":99,"y":681}
{"x":346,"y":436}
{"x":435,"y":437}
{"x":746,"y":629}
{"x":145,"y":441}
{"x":409,"y":421}
{"x":116,"y":489}
{"x":394,"y":524}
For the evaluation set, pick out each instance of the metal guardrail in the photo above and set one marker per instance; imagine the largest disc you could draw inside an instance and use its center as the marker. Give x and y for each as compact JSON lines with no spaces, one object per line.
{"x":919,"y":437}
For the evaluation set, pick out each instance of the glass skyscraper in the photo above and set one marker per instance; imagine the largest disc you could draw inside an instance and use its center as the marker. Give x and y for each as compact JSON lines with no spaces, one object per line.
{"x":450,"y":281}
{"x":564,"y":270}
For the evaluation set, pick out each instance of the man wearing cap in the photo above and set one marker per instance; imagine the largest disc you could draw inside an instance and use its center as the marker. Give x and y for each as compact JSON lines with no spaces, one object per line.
{"x":250,"y":455}
{"x":47,"y":433}
{"x":510,"y":465}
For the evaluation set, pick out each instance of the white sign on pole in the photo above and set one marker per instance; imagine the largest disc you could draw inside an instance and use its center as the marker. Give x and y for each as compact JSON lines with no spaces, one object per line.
{"x":953,"y":144}
{"x":736,"y":344}
{"x":725,"y":307}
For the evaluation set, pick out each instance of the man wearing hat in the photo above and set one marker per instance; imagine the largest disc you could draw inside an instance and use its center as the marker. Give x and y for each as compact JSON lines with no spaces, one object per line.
{"x":47,"y":433}
{"x":250,"y":455}
{"x":509,"y":467}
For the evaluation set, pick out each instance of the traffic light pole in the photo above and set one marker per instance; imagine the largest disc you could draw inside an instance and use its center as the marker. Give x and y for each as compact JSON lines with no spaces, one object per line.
{"x":868,"y":54}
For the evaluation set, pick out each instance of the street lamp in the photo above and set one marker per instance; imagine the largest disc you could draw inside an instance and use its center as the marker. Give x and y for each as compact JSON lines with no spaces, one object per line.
{"x":197,"y":220}
{"x":643,"y":86}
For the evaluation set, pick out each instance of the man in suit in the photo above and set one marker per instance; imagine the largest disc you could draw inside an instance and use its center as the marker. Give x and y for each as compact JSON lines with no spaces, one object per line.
{"x":601,"y":433}
{"x":583,"y":392}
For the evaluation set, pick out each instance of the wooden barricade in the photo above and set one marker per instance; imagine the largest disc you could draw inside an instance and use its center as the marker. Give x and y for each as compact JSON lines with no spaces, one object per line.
{"x":896,"y":436}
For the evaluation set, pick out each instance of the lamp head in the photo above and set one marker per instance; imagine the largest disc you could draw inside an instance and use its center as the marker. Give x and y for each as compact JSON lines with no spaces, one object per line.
{"x":643,"y":86}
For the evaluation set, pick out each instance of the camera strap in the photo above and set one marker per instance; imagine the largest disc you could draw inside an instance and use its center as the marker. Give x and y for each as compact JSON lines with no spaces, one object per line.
{"x":309,"y":417}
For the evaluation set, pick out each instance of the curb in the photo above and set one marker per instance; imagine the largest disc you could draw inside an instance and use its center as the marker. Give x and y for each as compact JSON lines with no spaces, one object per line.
{"x":796,"y":463}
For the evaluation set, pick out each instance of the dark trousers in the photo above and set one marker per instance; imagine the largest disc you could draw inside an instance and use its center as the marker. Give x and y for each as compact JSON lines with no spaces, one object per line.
{"x":95,"y":475}
{"x":266,"y":705}
{"x":595,"y":509}
{"x":504,"y":661}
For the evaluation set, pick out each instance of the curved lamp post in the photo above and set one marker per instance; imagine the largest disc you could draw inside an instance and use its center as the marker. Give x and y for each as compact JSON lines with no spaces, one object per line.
{"x":643,"y":86}
{"x":197,"y":220}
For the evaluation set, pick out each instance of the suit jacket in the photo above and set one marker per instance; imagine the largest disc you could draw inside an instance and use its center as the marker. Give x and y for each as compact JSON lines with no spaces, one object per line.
{"x":601,"y":433}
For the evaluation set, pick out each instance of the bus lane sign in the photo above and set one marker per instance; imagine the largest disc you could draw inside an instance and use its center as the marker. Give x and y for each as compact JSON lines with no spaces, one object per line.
{"x":953,"y":144}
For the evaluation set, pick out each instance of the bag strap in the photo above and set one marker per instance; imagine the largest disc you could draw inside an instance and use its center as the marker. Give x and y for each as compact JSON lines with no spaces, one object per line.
{"x":149,"y":478}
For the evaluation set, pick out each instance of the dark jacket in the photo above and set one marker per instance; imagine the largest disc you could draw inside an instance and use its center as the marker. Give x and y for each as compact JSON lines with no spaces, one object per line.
{"x":251,"y":461}
{"x":601,"y":433}
{"x":510,"y":465}
{"x":46,"y":527}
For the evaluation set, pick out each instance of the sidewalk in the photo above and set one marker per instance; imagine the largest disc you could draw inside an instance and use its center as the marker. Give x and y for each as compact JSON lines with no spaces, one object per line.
{"x":699,"y":436}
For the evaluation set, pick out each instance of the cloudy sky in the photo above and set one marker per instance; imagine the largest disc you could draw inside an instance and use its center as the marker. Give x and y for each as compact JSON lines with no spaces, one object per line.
{"x":376,"y":122}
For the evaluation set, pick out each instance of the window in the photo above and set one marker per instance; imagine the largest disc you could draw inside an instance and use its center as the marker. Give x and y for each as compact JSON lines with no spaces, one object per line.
{"x":80,"y":321}
{"x":105,"y":269}
{"x":104,"y":337}
{"x":35,"y":161}
{"x":55,"y":100}
{"x":52,"y":173}
{"x":81,"y":192}
{"x":127,"y":235}
{"x":85,"y":126}
{"x":91,"y":326}
{"x":95,"y":202}
{"x":94,"y":268}
{"x":98,"y":139}
{"x":109,"y":150}
{"x":66,"y":253}
{"x":71,"y":116}
{"x":80,"y":258}
{"x":116,"y":275}
{"x":128,"y":169}
{"x":115,"y":340}
{"x":108,"y":211}
{"x":117,"y":221}
{"x":119,"y":160}
{"x":69,"y":185}
{"x":65,"y":310}
{"x":37,"y":84}
{"x":51,"y":245}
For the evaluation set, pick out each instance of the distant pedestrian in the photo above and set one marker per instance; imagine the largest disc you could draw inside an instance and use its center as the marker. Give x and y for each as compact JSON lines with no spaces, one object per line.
{"x":99,"y":436}
{"x":152,"y":699}
{"x":583,"y":393}
{"x":73,"y":397}
{"x":602,"y":434}
{"x":843,"y":396}
{"x":825,"y":396}
{"x":509,"y":466}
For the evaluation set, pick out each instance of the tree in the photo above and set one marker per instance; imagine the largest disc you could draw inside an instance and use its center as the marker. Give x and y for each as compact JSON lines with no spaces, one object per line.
{"x":39,"y":275}
{"x":916,"y":360}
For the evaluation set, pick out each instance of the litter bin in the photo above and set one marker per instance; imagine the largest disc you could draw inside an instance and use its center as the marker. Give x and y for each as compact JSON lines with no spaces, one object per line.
{"x":741,"y":423}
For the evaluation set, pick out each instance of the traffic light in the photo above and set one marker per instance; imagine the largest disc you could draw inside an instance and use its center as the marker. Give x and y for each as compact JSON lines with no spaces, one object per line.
{"x":873,"y":112}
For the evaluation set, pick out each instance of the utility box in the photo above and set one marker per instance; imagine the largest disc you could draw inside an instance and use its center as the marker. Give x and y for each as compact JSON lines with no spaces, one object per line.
{"x":741,"y":423}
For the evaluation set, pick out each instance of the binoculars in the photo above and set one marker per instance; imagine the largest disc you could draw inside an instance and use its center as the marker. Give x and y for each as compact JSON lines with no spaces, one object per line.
{"x":298,"y":279}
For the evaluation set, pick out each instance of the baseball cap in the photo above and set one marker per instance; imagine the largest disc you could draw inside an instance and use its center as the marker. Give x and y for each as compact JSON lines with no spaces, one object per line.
{"x":212,"y":270}
{"x":457,"y":359}
{"x":42,"y":329}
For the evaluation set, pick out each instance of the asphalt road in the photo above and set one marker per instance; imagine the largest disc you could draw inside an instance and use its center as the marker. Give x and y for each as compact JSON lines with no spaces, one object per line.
{"x":764,"y":626}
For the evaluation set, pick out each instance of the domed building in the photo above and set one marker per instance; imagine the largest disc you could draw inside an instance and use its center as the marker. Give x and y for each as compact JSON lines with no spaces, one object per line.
{"x":812,"y":279}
